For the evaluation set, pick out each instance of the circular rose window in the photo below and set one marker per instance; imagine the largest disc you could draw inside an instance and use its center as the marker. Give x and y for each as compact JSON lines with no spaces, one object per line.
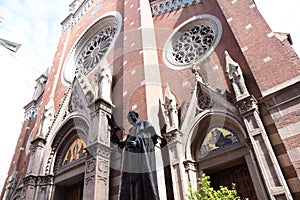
{"x":91,"y":48}
{"x":95,"y":49}
{"x":192,"y":41}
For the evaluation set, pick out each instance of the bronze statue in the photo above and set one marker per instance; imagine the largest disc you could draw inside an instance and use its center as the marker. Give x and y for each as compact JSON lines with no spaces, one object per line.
{"x":138,"y":160}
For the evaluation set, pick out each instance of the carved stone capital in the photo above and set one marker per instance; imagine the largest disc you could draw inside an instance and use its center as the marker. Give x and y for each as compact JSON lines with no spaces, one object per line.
{"x":30,"y":180}
{"x":90,"y":166}
{"x":101,"y":104}
{"x":89,"y":181}
{"x":98,"y":149}
{"x":190,"y":165}
{"x":44,"y":180}
{"x":173,"y":136}
{"x":39,"y":142}
{"x":38,"y":180}
{"x":102,"y":179}
{"x":247,"y":104}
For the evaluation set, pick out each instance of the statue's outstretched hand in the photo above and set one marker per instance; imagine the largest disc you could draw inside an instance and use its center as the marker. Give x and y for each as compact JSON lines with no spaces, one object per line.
{"x":131,"y":143}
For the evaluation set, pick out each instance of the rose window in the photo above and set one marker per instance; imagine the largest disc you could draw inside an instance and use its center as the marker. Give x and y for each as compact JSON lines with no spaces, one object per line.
{"x":193,"y":43}
{"x":95,"y":49}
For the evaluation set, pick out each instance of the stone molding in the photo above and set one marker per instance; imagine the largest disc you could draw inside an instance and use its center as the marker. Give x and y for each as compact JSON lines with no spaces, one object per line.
{"x":246,"y":105}
{"x":190,"y":165}
{"x":159,"y":7}
{"x":173,"y":136}
{"x":38,"y":180}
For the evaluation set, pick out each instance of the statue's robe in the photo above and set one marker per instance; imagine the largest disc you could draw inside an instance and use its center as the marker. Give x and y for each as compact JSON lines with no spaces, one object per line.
{"x":139,"y":181}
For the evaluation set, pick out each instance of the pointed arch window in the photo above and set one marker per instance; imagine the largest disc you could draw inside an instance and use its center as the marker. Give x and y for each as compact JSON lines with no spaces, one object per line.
{"x":217,"y":138}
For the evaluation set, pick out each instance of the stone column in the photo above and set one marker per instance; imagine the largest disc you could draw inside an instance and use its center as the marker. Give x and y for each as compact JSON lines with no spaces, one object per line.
{"x":270,"y":170}
{"x":159,"y":157}
{"x":30,"y":187}
{"x":96,"y":180}
{"x":36,"y":156}
{"x":191,"y":169}
{"x":179,"y":179}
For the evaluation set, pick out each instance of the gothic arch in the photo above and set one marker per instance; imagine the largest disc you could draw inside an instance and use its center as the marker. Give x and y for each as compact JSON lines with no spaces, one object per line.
{"x":71,"y":128}
{"x":207,"y":120}
{"x":218,"y":145}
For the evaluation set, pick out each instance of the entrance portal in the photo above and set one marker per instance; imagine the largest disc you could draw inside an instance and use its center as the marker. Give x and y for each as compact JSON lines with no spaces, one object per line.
{"x":69,"y":192}
{"x":74,"y":192}
{"x":239,"y":175}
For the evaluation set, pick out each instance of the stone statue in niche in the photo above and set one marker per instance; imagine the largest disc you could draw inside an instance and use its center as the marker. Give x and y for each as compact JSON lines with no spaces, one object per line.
{"x":103,"y":84}
{"x":170,"y":110}
{"x":139,"y":181}
{"x":236,"y":77}
{"x":47,"y":117}
{"x":200,"y":73}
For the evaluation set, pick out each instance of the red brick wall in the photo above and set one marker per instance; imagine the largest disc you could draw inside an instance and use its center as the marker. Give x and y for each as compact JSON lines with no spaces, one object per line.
{"x":266,"y":56}
{"x":167,"y":22}
{"x":20,"y":159}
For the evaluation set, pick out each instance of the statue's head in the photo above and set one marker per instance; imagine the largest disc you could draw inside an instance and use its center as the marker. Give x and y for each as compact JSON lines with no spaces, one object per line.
{"x":133,"y":117}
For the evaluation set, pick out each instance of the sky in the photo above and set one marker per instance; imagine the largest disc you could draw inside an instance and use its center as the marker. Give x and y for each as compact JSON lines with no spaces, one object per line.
{"x":35,"y":24}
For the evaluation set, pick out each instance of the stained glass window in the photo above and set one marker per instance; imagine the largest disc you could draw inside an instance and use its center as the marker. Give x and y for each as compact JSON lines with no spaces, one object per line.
{"x":75,"y":152}
{"x":215,"y":139}
{"x":175,"y":4}
{"x":168,"y":6}
{"x":162,"y":8}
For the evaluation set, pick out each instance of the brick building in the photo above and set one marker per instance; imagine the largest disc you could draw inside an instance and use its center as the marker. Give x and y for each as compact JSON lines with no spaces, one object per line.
{"x":220,"y":88}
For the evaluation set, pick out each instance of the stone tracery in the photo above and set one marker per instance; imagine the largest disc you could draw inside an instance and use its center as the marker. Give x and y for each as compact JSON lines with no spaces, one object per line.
{"x":96,"y":49}
{"x":193,"y":43}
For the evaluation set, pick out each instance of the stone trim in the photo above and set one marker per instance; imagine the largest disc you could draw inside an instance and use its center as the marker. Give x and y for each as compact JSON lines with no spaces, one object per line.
{"x":160,"y":7}
{"x":38,"y":180}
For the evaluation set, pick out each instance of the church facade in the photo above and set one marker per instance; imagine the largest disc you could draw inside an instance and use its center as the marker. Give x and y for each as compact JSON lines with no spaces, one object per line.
{"x":220,"y":88}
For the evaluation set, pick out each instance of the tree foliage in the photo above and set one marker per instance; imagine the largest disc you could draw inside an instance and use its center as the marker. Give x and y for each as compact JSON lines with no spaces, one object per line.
{"x":206,"y":192}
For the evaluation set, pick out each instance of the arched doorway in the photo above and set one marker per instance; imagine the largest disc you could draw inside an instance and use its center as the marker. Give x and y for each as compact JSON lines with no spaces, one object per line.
{"x":69,"y":156}
{"x":69,"y":169}
{"x":238,"y":174}
{"x":220,"y":149}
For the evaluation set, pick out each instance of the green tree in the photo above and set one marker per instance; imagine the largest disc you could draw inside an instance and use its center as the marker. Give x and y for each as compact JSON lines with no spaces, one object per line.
{"x":206,"y":192}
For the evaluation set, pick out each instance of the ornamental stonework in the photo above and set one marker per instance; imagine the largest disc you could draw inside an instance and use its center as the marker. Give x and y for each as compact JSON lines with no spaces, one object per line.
{"x":247,"y":104}
{"x":95,"y":49}
{"x":91,"y":166}
{"x":193,"y":43}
